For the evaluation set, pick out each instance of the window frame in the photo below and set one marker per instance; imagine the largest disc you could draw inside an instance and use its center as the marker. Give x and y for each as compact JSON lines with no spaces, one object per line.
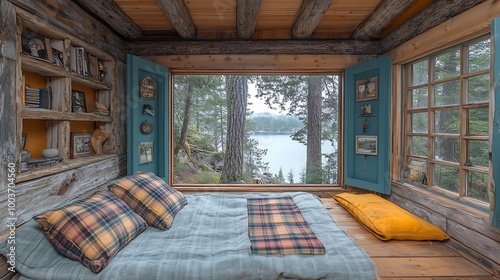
{"x":258,"y":186}
{"x":431,"y":135}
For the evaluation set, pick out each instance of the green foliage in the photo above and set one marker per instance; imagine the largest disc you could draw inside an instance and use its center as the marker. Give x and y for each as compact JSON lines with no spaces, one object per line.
{"x":290,"y":176}
{"x":275,"y":123}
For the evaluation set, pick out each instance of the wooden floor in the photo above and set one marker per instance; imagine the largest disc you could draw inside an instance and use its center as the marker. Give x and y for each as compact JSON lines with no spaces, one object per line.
{"x":406,"y":259}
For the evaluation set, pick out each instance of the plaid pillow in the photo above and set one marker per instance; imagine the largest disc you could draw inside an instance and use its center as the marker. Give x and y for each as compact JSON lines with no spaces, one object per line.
{"x":150,"y":197}
{"x":92,"y":230}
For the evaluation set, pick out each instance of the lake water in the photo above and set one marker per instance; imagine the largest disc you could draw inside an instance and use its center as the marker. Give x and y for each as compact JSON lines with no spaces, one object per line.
{"x":284,"y":153}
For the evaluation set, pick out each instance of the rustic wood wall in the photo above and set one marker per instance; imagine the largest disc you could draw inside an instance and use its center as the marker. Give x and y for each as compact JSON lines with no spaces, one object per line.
{"x":34,"y":196}
{"x":471,"y":230}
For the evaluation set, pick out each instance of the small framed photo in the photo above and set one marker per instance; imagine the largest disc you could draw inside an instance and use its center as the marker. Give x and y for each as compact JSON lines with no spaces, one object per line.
{"x":80,"y":144}
{"x":23,"y":141}
{"x":35,"y":45}
{"x":366,"y":109}
{"x":145,"y":152}
{"x":78,"y":103}
{"x":367,"y":89}
{"x":366,"y":145}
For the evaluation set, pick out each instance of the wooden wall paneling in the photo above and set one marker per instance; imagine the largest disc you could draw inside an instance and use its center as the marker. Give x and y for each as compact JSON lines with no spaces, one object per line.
{"x":455,"y":211}
{"x":423,"y":212}
{"x":8,"y":84}
{"x":121,"y":109}
{"x":40,"y":195}
{"x":475,"y":240}
{"x":466,"y":225}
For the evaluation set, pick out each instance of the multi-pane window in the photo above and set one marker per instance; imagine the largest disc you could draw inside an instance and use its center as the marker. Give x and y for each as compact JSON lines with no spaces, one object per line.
{"x":447,"y":121}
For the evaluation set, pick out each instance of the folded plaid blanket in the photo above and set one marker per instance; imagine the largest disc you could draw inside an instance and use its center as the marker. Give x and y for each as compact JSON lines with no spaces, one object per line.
{"x":276,"y":226}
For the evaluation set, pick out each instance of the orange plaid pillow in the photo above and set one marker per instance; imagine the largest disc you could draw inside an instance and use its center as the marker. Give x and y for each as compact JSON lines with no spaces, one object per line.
{"x":92,"y":230}
{"x":150,"y":197}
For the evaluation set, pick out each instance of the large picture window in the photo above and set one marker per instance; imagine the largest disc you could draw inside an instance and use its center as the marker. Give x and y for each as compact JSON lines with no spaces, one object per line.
{"x":266,"y":129}
{"x":446,"y":121}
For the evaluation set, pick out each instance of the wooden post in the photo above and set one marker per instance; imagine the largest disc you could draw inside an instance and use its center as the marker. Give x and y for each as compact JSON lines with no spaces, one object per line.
{"x":8,"y":64}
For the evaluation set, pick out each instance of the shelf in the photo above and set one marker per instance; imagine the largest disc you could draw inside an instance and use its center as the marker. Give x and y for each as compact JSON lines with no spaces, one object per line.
{"x":39,"y":172}
{"x":45,"y":68}
{"x":44,"y":114}
{"x":42,"y":67}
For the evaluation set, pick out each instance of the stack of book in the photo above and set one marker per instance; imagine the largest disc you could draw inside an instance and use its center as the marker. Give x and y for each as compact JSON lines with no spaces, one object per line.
{"x":32,"y":98}
{"x":38,"y":98}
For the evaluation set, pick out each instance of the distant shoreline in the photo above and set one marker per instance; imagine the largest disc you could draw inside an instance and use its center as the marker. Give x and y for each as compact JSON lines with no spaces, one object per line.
{"x":270,"y":133}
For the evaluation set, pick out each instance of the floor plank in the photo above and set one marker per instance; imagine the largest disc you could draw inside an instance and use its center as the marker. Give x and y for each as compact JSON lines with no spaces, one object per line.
{"x":406,"y":259}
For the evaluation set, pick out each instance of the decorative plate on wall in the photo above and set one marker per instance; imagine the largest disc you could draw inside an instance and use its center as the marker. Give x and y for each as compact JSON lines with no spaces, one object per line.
{"x":146,"y":127}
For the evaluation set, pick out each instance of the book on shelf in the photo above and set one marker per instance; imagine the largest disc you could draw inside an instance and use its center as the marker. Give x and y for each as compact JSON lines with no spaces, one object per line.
{"x":58,"y":51}
{"x":37,"y":162}
{"x":35,"y":45}
{"x":38,"y":98}
{"x":79,"y":61}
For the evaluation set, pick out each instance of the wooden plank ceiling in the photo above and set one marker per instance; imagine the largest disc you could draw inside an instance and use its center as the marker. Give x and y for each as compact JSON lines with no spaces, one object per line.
{"x":362,"y":27}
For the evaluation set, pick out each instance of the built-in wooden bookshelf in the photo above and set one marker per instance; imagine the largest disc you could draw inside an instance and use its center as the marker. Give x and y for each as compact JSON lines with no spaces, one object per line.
{"x":61,"y":80}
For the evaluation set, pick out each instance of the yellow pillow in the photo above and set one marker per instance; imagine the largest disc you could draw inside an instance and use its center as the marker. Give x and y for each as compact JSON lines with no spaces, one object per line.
{"x":388,"y":221}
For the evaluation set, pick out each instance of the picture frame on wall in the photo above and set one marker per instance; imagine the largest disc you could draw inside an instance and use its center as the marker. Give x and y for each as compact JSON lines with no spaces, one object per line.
{"x":78,"y":103}
{"x":35,"y":45}
{"x":366,"y":145}
{"x":80,"y":144}
{"x":367,"y":89}
{"x":145,"y":152}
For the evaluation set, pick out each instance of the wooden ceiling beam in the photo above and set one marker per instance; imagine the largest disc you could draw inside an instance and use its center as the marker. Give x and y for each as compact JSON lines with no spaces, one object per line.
{"x":436,"y":13}
{"x":110,"y":13}
{"x":178,"y":14}
{"x":246,"y":17}
{"x":158,"y":48}
{"x":380,"y":18}
{"x":308,"y":17}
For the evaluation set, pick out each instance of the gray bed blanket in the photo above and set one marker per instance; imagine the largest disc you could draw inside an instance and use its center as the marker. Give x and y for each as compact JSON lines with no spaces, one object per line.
{"x":208,"y":240}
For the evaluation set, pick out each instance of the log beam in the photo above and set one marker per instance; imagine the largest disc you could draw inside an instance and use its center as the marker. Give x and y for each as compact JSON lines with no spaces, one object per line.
{"x":109,"y":12}
{"x":178,"y":14}
{"x":246,"y":17}
{"x":8,"y":64}
{"x":436,"y":13}
{"x":308,"y":17}
{"x":159,"y":48}
{"x":380,"y":18}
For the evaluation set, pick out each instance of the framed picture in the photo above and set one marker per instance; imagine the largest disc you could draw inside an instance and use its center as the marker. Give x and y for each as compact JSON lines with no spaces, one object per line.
{"x":366,"y":145}
{"x":78,"y":104}
{"x":145,"y":152}
{"x":367,"y":89}
{"x":23,"y":141}
{"x":80,"y":144}
{"x":35,"y":45}
{"x":148,"y":88}
{"x":366,"y":109}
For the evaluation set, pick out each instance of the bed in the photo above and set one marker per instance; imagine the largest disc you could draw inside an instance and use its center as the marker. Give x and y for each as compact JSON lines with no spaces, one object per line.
{"x":208,"y":239}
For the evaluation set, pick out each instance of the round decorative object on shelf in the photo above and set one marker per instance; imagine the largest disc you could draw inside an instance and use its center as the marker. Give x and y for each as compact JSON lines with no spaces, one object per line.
{"x":146,"y":127}
{"x":50,"y":153}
